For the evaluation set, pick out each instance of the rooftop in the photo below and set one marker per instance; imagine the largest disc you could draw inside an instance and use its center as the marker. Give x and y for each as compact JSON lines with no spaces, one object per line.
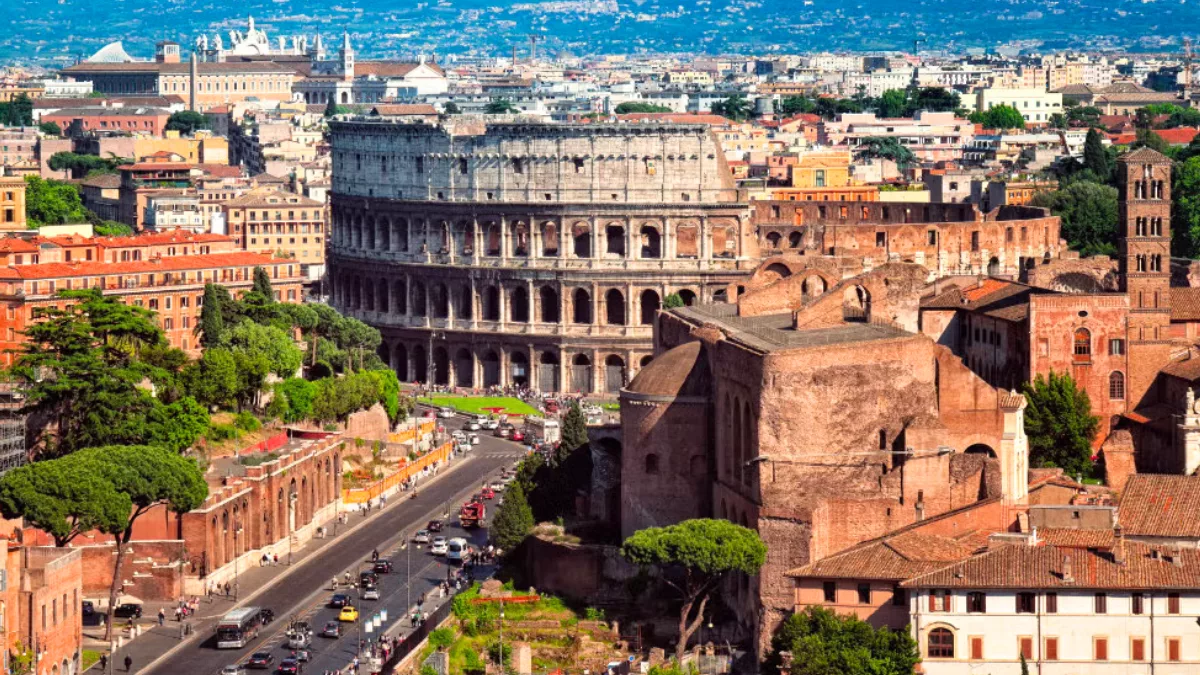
{"x":776,"y":331}
{"x":1159,"y":505}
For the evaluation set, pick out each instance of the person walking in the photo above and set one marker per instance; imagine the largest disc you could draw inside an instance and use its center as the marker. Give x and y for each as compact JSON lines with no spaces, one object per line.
{"x":162,"y":616}
{"x":103,"y":664}
{"x":128,"y":663}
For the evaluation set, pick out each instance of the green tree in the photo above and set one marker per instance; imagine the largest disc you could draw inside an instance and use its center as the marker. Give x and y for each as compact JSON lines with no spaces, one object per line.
{"x":1148,"y":139}
{"x":211,"y":327}
{"x":673,"y":301}
{"x":64,"y":498}
{"x":702,"y":551}
{"x":1185,"y":208}
{"x":1059,"y":424}
{"x":262,"y":284}
{"x":451,"y":108}
{"x":1095,"y":157}
{"x":258,"y":351}
{"x":501,"y":106}
{"x":1058,"y":121}
{"x":735,"y":107}
{"x":823,"y":643}
{"x":1084,"y":116}
{"x":186,"y":122}
{"x":149,"y":476}
{"x":213,"y":379}
{"x":933,"y":99}
{"x":1089,"y":215}
{"x":514,"y":521}
{"x":640,"y":107}
{"x":795,"y":105}
{"x":18,"y":112}
{"x":175,"y":426}
{"x":886,"y":147}
{"x":52,"y":202}
{"x":50,"y":128}
{"x":893,"y":103}
{"x":1000,"y":117}
{"x":299,"y":395}
{"x":85,"y":165}
{"x":334,"y":109}
{"x":574,"y":431}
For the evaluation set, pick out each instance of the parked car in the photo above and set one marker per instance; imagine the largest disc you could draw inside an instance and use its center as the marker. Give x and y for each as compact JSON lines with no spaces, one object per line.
{"x":302,"y":655}
{"x":128,"y":610}
{"x":474,"y":425}
{"x":332,"y":629}
{"x":517,"y":436}
{"x":339,"y":600}
{"x":382,"y":566}
{"x":348,"y":614}
{"x":497,"y":486}
{"x":421,"y":537}
{"x":371,"y":593}
{"x":474,"y":438}
{"x":504,"y":432}
{"x":435,"y":526}
{"x":260,"y":660}
{"x":439,"y":546}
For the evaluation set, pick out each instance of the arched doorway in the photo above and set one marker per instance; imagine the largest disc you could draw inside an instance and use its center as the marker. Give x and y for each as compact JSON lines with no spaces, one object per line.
{"x":400,"y":361}
{"x":548,"y":372}
{"x":441,"y":366}
{"x":519,"y":369}
{"x":651,"y":242}
{"x":420,"y":364}
{"x":650,"y":304}
{"x":688,"y":296}
{"x":418,"y":299}
{"x":614,"y":240}
{"x":464,"y":368}
{"x":583,"y":306}
{"x":581,"y":240}
{"x":581,"y":374}
{"x":856,"y":304}
{"x":441,"y":301}
{"x":614,"y":373}
{"x":491,"y":303}
{"x":520,"y":305}
{"x":548,"y":300}
{"x":491,"y":369}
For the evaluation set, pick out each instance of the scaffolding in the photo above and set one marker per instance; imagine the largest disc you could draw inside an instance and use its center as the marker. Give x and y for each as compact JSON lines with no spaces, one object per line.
{"x":13,"y":421}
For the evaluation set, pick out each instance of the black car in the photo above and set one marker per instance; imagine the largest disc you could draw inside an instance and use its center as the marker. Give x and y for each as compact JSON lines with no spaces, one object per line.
{"x":434,"y":526}
{"x":332,"y":629}
{"x":382,"y":566}
{"x":339,"y":600}
{"x":367,"y":578}
{"x":128,"y":610}
{"x":260,"y":660}
{"x":266,"y":615}
{"x":289,"y":667}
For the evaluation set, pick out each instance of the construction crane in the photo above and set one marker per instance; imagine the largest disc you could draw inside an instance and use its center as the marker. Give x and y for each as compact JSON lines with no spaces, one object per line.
{"x":533,"y":40}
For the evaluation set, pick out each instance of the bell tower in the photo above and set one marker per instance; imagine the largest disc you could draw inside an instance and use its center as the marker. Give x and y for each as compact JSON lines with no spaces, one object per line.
{"x":1144,"y":210}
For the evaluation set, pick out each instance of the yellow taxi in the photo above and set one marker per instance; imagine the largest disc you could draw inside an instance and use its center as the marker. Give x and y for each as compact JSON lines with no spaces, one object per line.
{"x":348,"y":614}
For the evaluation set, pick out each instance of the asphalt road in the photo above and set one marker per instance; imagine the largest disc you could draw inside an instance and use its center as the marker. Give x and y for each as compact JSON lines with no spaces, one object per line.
{"x":304,"y":594}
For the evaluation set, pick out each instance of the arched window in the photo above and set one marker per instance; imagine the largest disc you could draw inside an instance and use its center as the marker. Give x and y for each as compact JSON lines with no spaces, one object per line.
{"x":1083,"y":344}
{"x":1116,"y":386}
{"x":941,"y":644}
{"x":651,"y":464}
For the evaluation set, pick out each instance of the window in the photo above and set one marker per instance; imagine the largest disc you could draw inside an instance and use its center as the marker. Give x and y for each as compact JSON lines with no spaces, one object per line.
{"x":975,"y":241}
{"x":1137,"y":603}
{"x":820,"y":178}
{"x":939,"y":601}
{"x":1025,"y":647}
{"x":976,"y":648}
{"x":1116,"y":347}
{"x":881,"y":239}
{"x":1137,"y":649}
{"x":977,"y":602}
{"x":1100,"y":604}
{"x":1172,"y":603}
{"x":1173,"y":649}
{"x":1026,"y":603}
{"x":864,"y":594}
{"x":1083,"y":345}
{"x":829,"y":589}
{"x":1100,"y":648}
{"x":1052,"y":603}
{"x":941,"y":644}
{"x":932,"y":237}
{"x":1116,"y":386}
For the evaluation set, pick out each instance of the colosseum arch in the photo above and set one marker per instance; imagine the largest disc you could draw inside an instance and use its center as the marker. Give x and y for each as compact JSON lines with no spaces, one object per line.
{"x":582,"y":306}
{"x":581,"y":374}
{"x":399,"y":297}
{"x":383,"y":300}
{"x":520,"y":239}
{"x":772,"y":273}
{"x":614,"y":307}
{"x":519,"y":368}
{"x":581,"y":240}
{"x":445,"y":243}
{"x":687,"y":240}
{"x":401,"y":234}
{"x":813,"y":286}
{"x":549,"y":239}
{"x":651,"y":242}
{"x":549,"y":303}
{"x":795,"y":239}
{"x":492,"y":239}
{"x":400,"y":361}
{"x":491,"y":303}
{"x":440,"y":297}
{"x":1076,"y":282}
{"x":356,"y":234}
{"x":519,"y":305}
{"x":548,"y":369}
{"x":614,"y":239}
{"x":856,"y":304}
{"x":464,"y":368}
{"x":774,"y":239}
{"x":418,"y":299}
{"x":688,"y":296}
{"x":464,"y":237}
{"x":614,"y":373}
{"x":441,"y":366}
{"x":368,"y":295}
{"x":724,"y":241}
{"x":385,"y":233}
{"x":650,"y":304}
{"x":369,"y":231}
{"x":463,"y":305}
{"x":491,"y":368}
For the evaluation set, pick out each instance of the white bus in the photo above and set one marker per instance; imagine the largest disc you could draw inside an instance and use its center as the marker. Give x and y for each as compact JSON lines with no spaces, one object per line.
{"x":237,"y":628}
{"x":544,"y":429}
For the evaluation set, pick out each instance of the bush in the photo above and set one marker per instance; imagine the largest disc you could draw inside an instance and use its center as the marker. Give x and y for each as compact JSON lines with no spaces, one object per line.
{"x":498,"y":651}
{"x":218,"y":433}
{"x":441,"y":638}
{"x":593,"y":614}
{"x":247,"y":422}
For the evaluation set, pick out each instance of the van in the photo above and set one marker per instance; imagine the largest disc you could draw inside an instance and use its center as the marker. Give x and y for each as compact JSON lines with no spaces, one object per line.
{"x":457,"y":549}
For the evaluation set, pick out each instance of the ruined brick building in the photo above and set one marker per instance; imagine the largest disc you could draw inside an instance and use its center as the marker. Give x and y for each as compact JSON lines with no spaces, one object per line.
{"x":851,"y":388}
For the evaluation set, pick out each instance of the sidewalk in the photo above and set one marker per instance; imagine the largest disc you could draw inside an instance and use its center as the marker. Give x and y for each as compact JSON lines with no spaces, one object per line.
{"x":156,"y":641}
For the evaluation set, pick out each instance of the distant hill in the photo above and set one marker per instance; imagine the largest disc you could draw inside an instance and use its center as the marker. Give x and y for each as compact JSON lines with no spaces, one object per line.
{"x":45,"y":31}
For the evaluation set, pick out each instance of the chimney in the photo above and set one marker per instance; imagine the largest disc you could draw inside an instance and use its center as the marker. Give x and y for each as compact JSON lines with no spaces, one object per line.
{"x":1177,"y":556}
{"x":1067,"y":571}
{"x":1118,"y":550}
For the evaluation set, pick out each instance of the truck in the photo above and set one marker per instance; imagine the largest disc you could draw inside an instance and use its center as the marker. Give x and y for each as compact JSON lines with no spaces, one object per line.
{"x":471,"y":514}
{"x":543,"y":430}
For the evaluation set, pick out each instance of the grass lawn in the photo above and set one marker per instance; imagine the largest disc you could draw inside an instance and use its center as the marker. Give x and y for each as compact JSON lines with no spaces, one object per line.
{"x":89,"y":658}
{"x":477,"y":404}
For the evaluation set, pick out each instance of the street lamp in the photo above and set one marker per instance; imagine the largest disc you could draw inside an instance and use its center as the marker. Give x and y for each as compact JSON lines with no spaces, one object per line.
{"x":236,"y":534}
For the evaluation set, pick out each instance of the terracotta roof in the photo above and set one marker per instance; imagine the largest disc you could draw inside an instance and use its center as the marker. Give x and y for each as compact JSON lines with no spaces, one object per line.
{"x":1185,"y":304}
{"x":1186,"y":369}
{"x":679,"y":371}
{"x":391,"y":68}
{"x":1144,"y":155}
{"x":158,"y":238}
{"x":1072,"y":538}
{"x":17,"y":245}
{"x":1022,"y":566}
{"x":676,"y":118}
{"x":893,"y":558}
{"x":221,"y":170}
{"x":404,"y":109}
{"x":1159,"y":505}
{"x":997,"y":298}
{"x":103,"y":180}
{"x":109,"y":112}
{"x":265,"y":177}
{"x":282,"y":199}
{"x":167,"y":264}
{"x":151,"y":166}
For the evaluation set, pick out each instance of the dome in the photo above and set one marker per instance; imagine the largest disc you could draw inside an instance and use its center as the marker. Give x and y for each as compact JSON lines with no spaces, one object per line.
{"x":680,"y":371}
{"x":112,"y":52}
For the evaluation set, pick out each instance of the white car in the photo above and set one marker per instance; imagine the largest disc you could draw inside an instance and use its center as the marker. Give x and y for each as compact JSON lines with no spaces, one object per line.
{"x":233,"y":669}
{"x":491,"y":425}
{"x":446,"y":413}
{"x":473,"y":426}
{"x":421,"y":537}
{"x":474,"y":439}
{"x":439,"y":546}
{"x":370,"y":594}
{"x":498,"y":486}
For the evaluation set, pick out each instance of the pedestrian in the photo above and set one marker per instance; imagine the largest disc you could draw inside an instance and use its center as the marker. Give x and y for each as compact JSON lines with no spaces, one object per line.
{"x":128,"y":663}
{"x":178,"y":614}
{"x":226,"y":589}
{"x":162,"y":616}
{"x":276,"y":559}
{"x":103,"y":663}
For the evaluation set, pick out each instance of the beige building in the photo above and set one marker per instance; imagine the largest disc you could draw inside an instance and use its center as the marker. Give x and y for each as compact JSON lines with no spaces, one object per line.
{"x":216,"y":83}
{"x":1035,"y":105}
{"x":266,"y":220}
{"x":12,"y":204}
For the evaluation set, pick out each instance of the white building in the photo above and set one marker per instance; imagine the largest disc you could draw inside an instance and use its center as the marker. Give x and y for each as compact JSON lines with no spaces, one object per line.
{"x":344,"y":81}
{"x":1089,"y":604}
{"x":1035,"y":105}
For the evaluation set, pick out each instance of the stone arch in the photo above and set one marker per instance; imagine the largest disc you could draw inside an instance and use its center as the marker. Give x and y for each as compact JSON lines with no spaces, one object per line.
{"x":614,"y":373}
{"x":650,"y":304}
{"x":399,"y":297}
{"x":724,"y":241}
{"x":581,"y":240}
{"x":519,"y":369}
{"x":582,"y":306}
{"x":420,"y":364}
{"x":774,"y":239}
{"x":520,"y":239}
{"x":614,"y":307}
{"x":492,"y":239}
{"x":383,"y":301}
{"x":856,"y":304}
{"x":440,"y":297}
{"x":614,"y":240}
{"x":981,"y":449}
{"x":549,"y":232}
{"x":491,"y":303}
{"x":548,"y":301}
{"x":688,"y":296}
{"x":519,"y":305}
{"x":651,"y":242}
{"x":645,"y":361}
{"x":385,"y":233}
{"x":345,"y":97}
{"x":400,"y":361}
{"x":993,"y":267}
{"x":368,"y":294}
{"x":418,"y":299}
{"x":548,"y":368}
{"x":1076,"y":282}
{"x":369,"y":232}
{"x":687,"y":240}
{"x":795,"y":239}
{"x":491,"y":368}
{"x":772,"y":273}
{"x":813,"y":286}
{"x":441,"y":366}
{"x":464,"y":237}
{"x":464,"y":368}
{"x":581,"y":374}
{"x":463,"y":305}
{"x":401,"y":234}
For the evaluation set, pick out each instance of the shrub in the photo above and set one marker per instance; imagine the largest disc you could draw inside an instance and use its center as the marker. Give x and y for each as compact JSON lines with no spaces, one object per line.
{"x":247,"y":422}
{"x":498,"y":651}
{"x":441,"y":638}
{"x":593,"y":614}
{"x":218,"y":433}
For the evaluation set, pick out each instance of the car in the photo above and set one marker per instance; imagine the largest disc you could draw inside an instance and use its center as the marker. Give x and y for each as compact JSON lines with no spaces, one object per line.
{"x":302,"y":655}
{"x":371,"y":593}
{"x":289,"y":667}
{"x":234,"y":669}
{"x":439,"y":546}
{"x":491,"y":424}
{"x":298,"y":641}
{"x":503,"y":432}
{"x":128,"y":610}
{"x":435,"y":526}
{"x":497,"y":486}
{"x":475,"y":439}
{"x":474,"y":426}
{"x":260,"y":660}
{"x":446,"y":413}
{"x":339,"y":600}
{"x":488,"y":493}
{"x":348,"y":613}
{"x":300,"y":627}
{"x":517,"y":436}
{"x":382,"y":566}
{"x":332,"y":629}
{"x":367,"y":578}
{"x":421,"y":537}
{"x":266,"y":615}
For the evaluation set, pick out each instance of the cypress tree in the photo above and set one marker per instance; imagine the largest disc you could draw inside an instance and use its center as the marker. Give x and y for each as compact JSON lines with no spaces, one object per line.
{"x":262,"y":285}
{"x":515,"y":519}
{"x":574,"y":431}
{"x":1095,"y":158}
{"x":212,"y":325}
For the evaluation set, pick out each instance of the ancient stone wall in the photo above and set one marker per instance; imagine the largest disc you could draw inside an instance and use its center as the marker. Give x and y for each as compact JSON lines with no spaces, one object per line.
{"x":668,"y":479}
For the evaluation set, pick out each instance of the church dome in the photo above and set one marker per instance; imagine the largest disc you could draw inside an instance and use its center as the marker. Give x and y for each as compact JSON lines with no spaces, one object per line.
{"x":680,"y":371}
{"x":112,"y":52}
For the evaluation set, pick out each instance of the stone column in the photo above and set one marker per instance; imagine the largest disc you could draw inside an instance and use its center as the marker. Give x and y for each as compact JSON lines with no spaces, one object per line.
{"x":705,"y":248}
{"x":505,"y":368}
{"x":596,"y":227}
{"x":504,"y":240}
{"x":596,"y":370}
{"x":535,"y":239}
{"x":629,"y":305}
{"x":502,"y":302}
{"x":564,"y":369}
{"x":428,"y":313}
{"x":667,"y":245}
{"x":474,"y":305}
{"x":596,"y":300}
{"x":408,"y":297}
{"x":630,"y":254}
{"x":450,"y":306}
{"x":533,"y":302}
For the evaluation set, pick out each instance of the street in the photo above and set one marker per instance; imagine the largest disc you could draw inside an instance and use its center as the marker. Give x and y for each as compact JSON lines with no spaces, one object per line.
{"x":304,"y":594}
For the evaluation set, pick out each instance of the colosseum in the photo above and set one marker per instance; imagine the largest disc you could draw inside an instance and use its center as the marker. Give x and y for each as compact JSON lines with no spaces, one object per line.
{"x":501,"y":251}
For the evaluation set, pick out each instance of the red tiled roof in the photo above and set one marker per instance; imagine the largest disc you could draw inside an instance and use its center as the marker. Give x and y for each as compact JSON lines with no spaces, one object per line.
{"x":168,"y":264}
{"x":1159,"y":505}
{"x":17,"y":245}
{"x":221,"y":170}
{"x":893,"y":558}
{"x":1023,"y":566}
{"x":404,"y":109}
{"x":1185,"y":304}
{"x":1187,"y":369}
{"x":159,"y":238}
{"x":151,"y":166}
{"x":1071,"y":538}
{"x":985,"y":288}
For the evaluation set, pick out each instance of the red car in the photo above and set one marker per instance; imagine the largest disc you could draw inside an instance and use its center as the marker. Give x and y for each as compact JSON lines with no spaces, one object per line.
{"x":488,"y":493}
{"x":517,"y":436}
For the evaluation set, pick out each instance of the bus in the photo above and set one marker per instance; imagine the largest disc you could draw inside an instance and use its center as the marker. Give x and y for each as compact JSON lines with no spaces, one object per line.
{"x":237,"y":628}
{"x":543,"y":429}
